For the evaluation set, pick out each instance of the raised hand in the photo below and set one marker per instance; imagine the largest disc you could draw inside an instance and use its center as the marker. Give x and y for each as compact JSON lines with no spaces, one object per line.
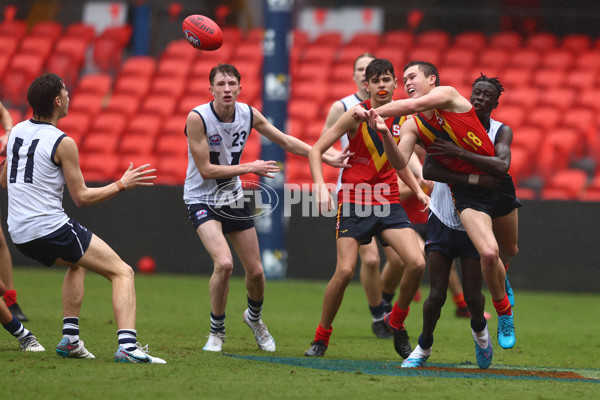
{"x":140,"y":176}
{"x":376,"y":122}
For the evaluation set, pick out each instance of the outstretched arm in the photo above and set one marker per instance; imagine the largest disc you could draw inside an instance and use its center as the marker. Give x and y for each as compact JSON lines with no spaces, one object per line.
{"x":497,"y":165}
{"x":399,"y":153}
{"x":292,"y":144}
{"x":432,"y":170}
{"x":68,"y":157}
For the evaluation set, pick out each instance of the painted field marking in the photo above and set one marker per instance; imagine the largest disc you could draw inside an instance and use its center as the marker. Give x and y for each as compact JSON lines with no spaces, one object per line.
{"x":436,"y":370}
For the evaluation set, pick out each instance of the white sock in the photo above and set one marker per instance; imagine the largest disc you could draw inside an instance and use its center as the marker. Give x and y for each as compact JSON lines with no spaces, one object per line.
{"x":419,"y":352}
{"x":482,"y":337}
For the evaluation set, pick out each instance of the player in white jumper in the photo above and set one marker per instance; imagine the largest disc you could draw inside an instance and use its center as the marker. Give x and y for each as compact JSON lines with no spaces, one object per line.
{"x":41,"y":159}
{"x":217,"y":133}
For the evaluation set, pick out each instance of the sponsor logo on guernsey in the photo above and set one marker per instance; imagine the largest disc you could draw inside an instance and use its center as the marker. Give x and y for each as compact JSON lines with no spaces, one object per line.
{"x":215,"y":140}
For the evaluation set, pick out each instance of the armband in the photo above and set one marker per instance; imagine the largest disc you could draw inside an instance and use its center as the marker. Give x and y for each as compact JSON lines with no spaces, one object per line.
{"x":121,"y":186}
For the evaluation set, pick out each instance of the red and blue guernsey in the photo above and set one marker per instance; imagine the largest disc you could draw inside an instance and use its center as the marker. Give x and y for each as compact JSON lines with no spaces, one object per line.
{"x":464,"y":129}
{"x":372,"y":180}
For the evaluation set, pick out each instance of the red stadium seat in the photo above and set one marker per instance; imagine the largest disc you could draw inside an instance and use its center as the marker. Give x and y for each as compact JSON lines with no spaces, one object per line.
{"x":160,"y":104}
{"x":15,"y":114}
{"x":22,"y":70}
{"x":512,"y":115}
{"x":572,"y":181}
{"x":173,"y":86}
{"x":304,"y":110}
{"x":367,"y":41}
{"x":48,"y":29}
{"x":543,"y":41}
{"x":305,"y":90}
{"x":520,"y":164}
{"x":556,"y":194}
{"x":428,"y":54}
{"x":472,"y":40}
{"x":254,"y":35}
{"x":588,"y":60}
{"x":4,"y":61}
{"x":433,"y":39}
{"x":580,"y":79}
{"x":149,"y":125}
{"x":400,"y":39}
{"x":251,"y":51}
{"x":100,"y":142}
{"x":98,"y":167}
{"x":81,"y":30}
{"x":525,"y":57}
{"x":506,"y":40}
{"x":590,"y":98}
{"x":74,"y":47}
{"x":187,"y":103}
{"x":576,"y":43}
{"x":76,"y":124}
{"x":331,"y":38}
{"x":123,"y":103}
{"x":558,"y":59}
{"x":15,"y":28}
{"x":548,"y":78}
{"x":133,"y":85}
{"x":319,"y":54}
{"x":62,"y":65}
{"x":456,"y":76}
{"x":174,"y":145}
{"x":98,"y":84}
{"x":37,"y":45}
{"x":525,"y":193}
{"x":110,"y":122}
{"x":171,"y":170}
{"x":86,"y":103}
{"x":348,"y":54}
{"x":544,"y":117}
{"x":525,"y":97}
{"x":528,"y":138}
{"x":175,"y":125}
{"x":459,"y":57}
{"x":174,"y":68}
{"x":138,"y":66}
{"x":179,"y":49}
{"x":9,"y":45}
{"x":138,"y":144}
{"x":493,"y":58}
{"x":562,"y":98}
{"x":583,"y":120}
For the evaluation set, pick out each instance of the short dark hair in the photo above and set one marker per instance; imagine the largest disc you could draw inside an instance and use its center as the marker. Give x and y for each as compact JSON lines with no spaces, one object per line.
{"x":378,"y":67}
{"x":427,"y":68}
{"x":494,"y":81}
{"x":42,"y":92}
{"x":363,"y":55}
{"x":225,"y":69}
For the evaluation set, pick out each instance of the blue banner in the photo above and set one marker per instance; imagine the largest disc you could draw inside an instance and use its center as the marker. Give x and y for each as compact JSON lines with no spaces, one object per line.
{"x":271,"y":228}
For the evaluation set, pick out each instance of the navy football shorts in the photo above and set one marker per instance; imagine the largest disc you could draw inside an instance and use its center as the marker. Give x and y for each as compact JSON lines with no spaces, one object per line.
{"x":232,"y":219}
{"x":474,"y":197}
{"x":362,"y":222}
{"x":505,"y":199}
{"x":69,"y":243}
{"x":451,"y":242}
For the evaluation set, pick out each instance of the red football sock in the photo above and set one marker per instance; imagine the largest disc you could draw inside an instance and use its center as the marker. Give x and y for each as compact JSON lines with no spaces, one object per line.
{"x":397,"y":317}
{"x":503,"y":306}
{"x":459,"y":300}
{"x":323,"y":334}
{"x":10,"y":297}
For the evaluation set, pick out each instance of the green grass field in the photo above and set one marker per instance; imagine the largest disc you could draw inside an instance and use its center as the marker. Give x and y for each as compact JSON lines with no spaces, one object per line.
{"x":555,"y":331}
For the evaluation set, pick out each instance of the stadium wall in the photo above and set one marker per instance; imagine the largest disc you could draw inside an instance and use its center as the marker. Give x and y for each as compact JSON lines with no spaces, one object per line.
{"x":558,"y":241}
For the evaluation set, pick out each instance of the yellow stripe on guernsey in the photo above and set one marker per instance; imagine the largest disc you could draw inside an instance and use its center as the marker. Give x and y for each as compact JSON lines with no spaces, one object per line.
{"x":425,"y":131}
{"x":376,"y":150}
{"x":448,"y":129}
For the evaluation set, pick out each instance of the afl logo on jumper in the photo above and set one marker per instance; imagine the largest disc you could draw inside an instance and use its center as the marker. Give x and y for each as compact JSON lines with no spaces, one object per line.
{"x":215,"y":140}
{"x":193,"y":39}
{"x":201,"y":214}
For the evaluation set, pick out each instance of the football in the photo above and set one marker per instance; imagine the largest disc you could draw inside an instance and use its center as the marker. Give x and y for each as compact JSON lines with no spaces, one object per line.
{"x":202,"y":32}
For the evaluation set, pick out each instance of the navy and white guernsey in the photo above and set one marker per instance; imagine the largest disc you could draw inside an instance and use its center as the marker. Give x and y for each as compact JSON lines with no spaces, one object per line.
{"x":226,"y":141}
{"x":35,"y":182}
